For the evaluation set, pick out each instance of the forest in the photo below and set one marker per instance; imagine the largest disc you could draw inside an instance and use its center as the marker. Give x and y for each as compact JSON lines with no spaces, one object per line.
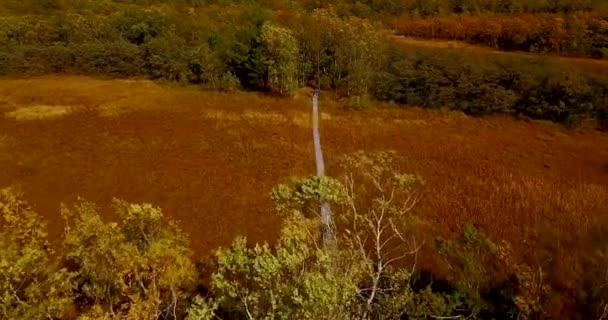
{"x":278,"y":47}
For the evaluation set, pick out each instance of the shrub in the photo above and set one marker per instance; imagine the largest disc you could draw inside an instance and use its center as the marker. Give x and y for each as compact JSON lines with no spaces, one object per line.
{"x":31,"y":285}
{"x":139,"y":266}
{"x":108,"y":58}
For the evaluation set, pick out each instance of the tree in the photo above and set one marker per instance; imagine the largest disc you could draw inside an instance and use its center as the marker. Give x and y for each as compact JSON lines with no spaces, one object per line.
{"x":31,"y":285}
{"x":359,"y":52}
{"x":205,"y":67}
{"x":282,"y":50}
{"x":139,"y":26}
{"x":377,"y":223}
{"x":316,"y":36}
{"x":359,"y":278}
{"x":140,"y":269}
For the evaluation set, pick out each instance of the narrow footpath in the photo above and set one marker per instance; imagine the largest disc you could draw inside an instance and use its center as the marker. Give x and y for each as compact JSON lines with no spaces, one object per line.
{"x":325,"y":208}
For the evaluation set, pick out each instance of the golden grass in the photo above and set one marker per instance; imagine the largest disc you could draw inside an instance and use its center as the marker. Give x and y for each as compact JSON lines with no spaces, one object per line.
{"x":210,"y":160}
{"x":6,"y":142}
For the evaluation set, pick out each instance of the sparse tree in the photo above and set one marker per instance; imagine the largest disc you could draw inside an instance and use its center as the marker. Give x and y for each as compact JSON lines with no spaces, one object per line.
{"x":362,"y":277}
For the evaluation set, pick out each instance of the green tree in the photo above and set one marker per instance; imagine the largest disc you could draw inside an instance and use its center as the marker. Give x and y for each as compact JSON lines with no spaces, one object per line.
{"x":359,"y":52}
{"x":316,"y":35}
{"x":282,"y":50}
{"x":361,"y":277}
{"x":205,"y":67}
{"x":139,"y":269}
{"x":32,"y":286}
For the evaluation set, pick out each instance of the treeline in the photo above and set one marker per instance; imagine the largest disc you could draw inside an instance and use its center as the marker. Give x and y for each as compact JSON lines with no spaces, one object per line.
{"x":438,"y":8}
{"x":142,"y":268}
{"x":227,"y":47}
{"x":566,"y":27}
{"x":493,"y":83}
{"x":581,"y":34}
{"x":366,"y":9}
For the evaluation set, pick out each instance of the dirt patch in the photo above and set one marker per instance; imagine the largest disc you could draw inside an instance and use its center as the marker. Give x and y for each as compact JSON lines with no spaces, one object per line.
{"x":38,"y":112}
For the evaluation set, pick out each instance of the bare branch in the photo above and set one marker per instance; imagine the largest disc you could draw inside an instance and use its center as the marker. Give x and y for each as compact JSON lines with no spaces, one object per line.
{"x":604,"y":312}
{"x":249,"y":316}
{"x":409,"y":202}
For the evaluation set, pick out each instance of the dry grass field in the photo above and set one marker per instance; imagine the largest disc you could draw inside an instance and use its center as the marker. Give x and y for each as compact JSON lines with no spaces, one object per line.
{"x":210,"y":160}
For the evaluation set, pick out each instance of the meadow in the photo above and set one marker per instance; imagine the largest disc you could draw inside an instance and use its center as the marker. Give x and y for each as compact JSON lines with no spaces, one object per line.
{"x":210,"y":160}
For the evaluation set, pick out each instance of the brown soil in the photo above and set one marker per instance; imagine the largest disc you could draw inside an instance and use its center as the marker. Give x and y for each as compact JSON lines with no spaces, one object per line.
{"x":210,"y":159}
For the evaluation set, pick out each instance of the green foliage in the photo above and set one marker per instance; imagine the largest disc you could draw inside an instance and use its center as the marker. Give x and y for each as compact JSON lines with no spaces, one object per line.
{"x":205,"y":67}
{"x":226,"y":45}
{"x":139,"y":26}
{"x":138,"y":267}
{"x":484,"y":84}
{"x":165,"y":58}
{"x":293,"y":280}
{"x":31,"y":286}
{"x":304,"y":194}
{"x":358,"y":53}
{"x":282,"y":50}
{"x":366,"y":275}
{"x":471,"y":257}
{"x":141,"y":267}
{"x":201,"y":309}
{"x":114,"y":58}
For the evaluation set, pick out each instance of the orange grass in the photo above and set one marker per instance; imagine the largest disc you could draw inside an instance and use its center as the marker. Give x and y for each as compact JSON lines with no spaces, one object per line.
{"x":210,"y":160}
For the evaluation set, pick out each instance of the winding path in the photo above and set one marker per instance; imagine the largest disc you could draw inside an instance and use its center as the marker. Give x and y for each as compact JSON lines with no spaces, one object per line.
{"x":325,"y":208}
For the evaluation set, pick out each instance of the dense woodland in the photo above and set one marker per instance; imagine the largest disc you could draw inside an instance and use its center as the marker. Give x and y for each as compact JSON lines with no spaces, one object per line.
{"x":280,"y":46}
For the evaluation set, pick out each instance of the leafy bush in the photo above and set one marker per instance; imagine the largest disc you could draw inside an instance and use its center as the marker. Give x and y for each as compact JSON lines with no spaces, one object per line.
{"x":108,"y":58}
{"x":138,"y":266}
